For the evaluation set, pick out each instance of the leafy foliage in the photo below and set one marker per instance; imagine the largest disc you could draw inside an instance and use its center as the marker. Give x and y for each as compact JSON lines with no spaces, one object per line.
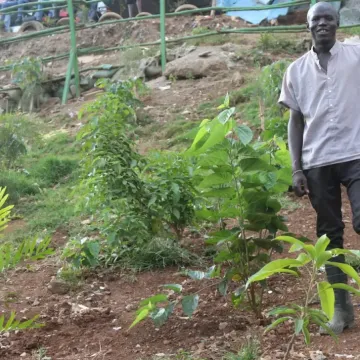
{"x":29,"y":249}
{"x":11,"y":324}
{"x":310,"y":258}
{"x":134,"y":198}
{"x":51,"y":169}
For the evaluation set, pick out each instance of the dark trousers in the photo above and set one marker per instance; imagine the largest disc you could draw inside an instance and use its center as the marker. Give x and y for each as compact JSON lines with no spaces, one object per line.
{"x":325,"y":196}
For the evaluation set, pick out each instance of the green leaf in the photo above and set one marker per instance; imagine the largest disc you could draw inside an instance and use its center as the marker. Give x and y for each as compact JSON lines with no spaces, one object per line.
{"x":223,"y":287}
{"x":142,"y":316}
{"x":225,"y":115}
{"x":323,"y":258}
{"x":298,"y":245}
{"x":276,"y":323}
{"x":189,"y":304}
{"x":216,"y":179}
{"x":174,"y":287}
{"x":221,"y":236}
{"x":347,"y":269}
{"x":327,"y":298}
{"x":299,"y":323}
{"x":282,"y":310}
{"x":306,"y":333}
{"x":275,"y":266}
{"x":346,"y":287}
{"x":255,"y":164}
{"x":154,"y":299}
{"x":321,"y":245}
{"x":244,"y":133}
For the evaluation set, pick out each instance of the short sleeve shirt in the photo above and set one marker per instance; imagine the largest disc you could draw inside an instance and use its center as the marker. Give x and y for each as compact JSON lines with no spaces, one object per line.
{"x":329,"y":102}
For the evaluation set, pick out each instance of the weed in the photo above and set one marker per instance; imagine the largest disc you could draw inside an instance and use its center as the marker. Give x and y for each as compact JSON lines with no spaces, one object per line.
{"x":249,"y":351}
{"x":51,"y":170}
{"x":18,"y":185}
{"x":11,"y":324}
{"x":57,"y":144}
{"x":277,"y":44}
{"x":40,"y":354}
{"x":351,"y":31}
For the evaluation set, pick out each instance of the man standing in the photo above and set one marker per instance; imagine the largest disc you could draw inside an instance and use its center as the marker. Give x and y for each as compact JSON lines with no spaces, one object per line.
{"x":322,"y":90}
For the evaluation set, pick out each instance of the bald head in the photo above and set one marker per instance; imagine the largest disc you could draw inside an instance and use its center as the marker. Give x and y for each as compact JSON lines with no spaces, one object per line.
{"x":322,"y":7}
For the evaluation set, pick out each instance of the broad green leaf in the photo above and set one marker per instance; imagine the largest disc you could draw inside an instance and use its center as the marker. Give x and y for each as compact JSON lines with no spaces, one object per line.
{"x":255,"y":164}
{"x":327,"y":298}
{"x":323,"y":258}
{"x":203,"y":130}
{"x":213,"y":158}
{"x":221,"y":237}
{"x":347,"y":269}
{"x":174,"y":287}
{"x":142,"y":316}
{"x":224,"y":192}
{"x":298,"y":245}
{"x":189,"y":304}
{"x":304,"y":258}
{"x":299,"y":323}
{"x":321,"y":245}
{"x":225,"y":115}
{"x":276,"y":323}
{"x":216,"y":179}
{"x":196,"y":275}
{"x":244,"y":133}
{"x":154,"y":299}
{"x":346,"y":287}
{"x":275,"y":266}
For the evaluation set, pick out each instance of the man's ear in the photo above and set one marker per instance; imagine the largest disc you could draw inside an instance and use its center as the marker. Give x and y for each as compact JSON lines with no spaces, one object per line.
{"x":307,"y":26}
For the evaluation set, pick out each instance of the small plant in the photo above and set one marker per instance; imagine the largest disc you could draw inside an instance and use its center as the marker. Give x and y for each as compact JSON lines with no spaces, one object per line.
{"x":276,"y":44}
{"x":249,"y":351}
{"x":50,"y":170}
{"x":11,"y":324}
{"x":28,"y":74}
{"x":30,"y":249}
{"x":40,"y":354}
{"x":310,"y":259}
{"x":84,"y":252}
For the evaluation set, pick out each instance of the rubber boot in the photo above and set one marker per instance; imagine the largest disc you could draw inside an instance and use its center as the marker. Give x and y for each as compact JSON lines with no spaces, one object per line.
{"x":344,"y":311}
{"x":132,"y":10}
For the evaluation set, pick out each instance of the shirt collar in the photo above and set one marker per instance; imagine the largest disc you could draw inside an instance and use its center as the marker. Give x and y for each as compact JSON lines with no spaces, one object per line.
{"x":334,"y":50}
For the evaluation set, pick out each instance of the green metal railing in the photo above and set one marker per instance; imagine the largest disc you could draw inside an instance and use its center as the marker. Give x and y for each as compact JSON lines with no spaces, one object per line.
{"x":73,"y":69}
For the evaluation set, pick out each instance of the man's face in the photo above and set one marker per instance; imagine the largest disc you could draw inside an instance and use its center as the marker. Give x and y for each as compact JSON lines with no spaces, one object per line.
{"x":323,"y":22}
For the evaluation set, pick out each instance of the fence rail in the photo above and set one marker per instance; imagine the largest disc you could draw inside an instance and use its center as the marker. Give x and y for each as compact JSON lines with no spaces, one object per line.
{"x":75,"y":52}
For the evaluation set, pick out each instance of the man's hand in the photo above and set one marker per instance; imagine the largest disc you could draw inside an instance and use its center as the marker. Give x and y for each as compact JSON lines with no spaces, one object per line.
{"x":300,"y":184}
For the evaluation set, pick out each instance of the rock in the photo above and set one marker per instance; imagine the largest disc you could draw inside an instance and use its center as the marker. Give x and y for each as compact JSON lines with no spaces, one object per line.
{"x":349,"y":16}
{"x":237,"y":79}
{"x":86,"y":222}
{"x":317,"y":355}
{"x":166,"y":342}
{"x":223,"y":326}
{"x":14,"y":94}
{"x":36,"y":302}
{"x":192,"y":66}
{"x":23,"y":354}
{"x":130,"y":307}
{"x":58,"y":287}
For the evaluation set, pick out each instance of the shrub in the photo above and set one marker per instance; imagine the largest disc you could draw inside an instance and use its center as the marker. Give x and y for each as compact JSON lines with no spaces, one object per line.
{"x":17,"y":185}
{"x":50,"y":170}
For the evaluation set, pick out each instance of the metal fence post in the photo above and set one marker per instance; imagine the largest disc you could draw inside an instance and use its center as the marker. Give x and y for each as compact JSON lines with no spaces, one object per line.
{"x":73,"y":60}
{"x":162,"y":35}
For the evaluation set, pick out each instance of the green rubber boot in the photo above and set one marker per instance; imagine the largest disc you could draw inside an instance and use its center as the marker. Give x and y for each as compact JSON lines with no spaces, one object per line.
{"x":344,"y":310}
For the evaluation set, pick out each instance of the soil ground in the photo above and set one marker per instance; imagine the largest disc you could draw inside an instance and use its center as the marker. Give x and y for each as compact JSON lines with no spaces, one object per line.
{"x":112,"y":297}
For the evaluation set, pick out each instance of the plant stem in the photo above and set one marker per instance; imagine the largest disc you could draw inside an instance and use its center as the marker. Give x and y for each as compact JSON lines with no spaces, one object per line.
{"x":291,"y":343}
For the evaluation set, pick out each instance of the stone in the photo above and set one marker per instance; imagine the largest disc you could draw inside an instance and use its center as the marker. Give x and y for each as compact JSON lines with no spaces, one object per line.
{"x":58,"y":287}
{"x":36,"y":302}
{"x":166,"y":342}
{"x":317,"y":355}
{"x":223,"y":326}
{"x":237,"y":79}
{"x":86,"y":222}
{"x":192,"y":66}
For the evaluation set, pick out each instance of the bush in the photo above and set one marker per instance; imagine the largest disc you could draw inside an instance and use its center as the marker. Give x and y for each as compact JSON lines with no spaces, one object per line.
{"x":51,"y":170}
{"x":17,"y":185}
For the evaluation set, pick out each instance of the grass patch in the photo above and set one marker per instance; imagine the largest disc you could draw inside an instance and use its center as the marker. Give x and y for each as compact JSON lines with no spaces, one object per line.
{"x":350,"y":31}
{"x":160,"y":253}
{"x":278,"y":44}
{"x":17,"y":185}
{"x":51,"y":170}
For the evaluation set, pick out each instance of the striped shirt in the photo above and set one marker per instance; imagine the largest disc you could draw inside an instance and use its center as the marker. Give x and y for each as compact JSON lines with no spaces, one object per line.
{"x":329,"y":102}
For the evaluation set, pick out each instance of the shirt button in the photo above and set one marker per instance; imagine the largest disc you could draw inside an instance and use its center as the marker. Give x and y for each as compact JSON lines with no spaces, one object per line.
{"x":331,"y":105}
{"x":329,"y":91}
{"x":329,"y":78}
{"x":331,"y":120}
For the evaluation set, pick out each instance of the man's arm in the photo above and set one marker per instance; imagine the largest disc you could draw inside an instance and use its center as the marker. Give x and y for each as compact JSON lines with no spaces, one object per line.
{"x":295,"y":134}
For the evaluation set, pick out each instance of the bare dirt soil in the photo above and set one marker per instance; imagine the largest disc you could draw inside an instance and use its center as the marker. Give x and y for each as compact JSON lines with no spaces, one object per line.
{"x":101,"y":331}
